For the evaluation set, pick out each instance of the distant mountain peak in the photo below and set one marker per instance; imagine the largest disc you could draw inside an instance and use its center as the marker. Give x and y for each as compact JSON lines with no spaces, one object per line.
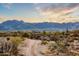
{"x":21,"y":25}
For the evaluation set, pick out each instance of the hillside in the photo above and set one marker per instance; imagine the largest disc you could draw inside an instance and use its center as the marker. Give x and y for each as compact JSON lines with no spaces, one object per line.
{"x":21,"y":25}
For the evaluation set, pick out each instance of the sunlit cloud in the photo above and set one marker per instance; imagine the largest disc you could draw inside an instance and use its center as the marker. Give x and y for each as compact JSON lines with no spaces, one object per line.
{"x":58,"y":12}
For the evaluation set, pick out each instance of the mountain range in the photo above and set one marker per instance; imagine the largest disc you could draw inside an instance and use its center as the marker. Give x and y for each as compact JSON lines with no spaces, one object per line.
{"x":21,"y":25}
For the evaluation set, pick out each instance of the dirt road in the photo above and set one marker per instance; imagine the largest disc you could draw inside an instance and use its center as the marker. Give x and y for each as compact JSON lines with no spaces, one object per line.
{"x":30,"y":48}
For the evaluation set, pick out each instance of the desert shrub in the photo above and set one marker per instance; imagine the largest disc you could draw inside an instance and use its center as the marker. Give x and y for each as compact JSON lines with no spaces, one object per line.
{"x":16,"y":40}
{"x":9,"y":45}
{"x":53,"y":46}
{"x":44,"y":42}
{"x":57,"y":45}
{"x":25,"y":35}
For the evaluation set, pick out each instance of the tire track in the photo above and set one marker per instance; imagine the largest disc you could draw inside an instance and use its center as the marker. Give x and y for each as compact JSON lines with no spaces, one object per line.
{"x":30,"y":47}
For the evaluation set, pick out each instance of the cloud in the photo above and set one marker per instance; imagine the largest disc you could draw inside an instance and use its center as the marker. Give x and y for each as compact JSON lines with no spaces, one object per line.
{"x":56,"y":8}
{"x":7,"y":5}
{"x":58,"y":12}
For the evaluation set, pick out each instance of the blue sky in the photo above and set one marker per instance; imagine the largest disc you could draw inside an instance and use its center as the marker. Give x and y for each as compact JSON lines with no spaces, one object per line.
{"x":36,"y":12}
{"x":22,"y":10}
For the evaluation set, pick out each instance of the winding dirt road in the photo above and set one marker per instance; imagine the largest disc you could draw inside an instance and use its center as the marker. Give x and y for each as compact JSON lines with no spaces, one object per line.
{"x":30,"y":47}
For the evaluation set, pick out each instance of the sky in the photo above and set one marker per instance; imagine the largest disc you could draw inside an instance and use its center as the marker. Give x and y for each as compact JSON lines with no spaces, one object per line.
{"x":40,"y":12}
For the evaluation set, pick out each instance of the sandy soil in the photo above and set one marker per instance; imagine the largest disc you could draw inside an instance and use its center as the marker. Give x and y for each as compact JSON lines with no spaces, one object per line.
{"x":31,"y":47}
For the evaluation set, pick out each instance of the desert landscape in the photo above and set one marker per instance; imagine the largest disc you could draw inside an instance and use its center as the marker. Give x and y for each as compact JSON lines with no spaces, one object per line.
{"x":39,"y":29}
{"x":45,"y":43}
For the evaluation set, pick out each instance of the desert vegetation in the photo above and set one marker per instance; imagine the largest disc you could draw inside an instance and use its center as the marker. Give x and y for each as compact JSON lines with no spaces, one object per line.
{"x":57,"y":43}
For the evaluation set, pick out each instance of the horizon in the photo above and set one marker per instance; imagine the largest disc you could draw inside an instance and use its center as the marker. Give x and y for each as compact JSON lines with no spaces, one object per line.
{"x":40,"y":12}
{"x":35,"y":22}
